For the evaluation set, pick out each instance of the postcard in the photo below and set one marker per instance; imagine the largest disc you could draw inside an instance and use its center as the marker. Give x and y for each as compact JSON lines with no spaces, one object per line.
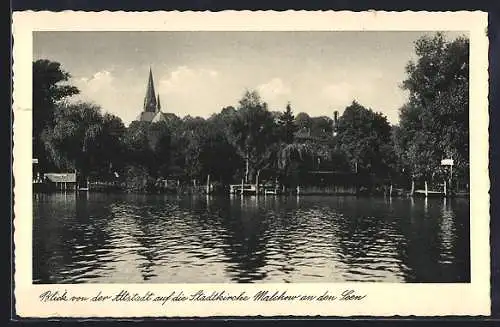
{"x":239,"y":163}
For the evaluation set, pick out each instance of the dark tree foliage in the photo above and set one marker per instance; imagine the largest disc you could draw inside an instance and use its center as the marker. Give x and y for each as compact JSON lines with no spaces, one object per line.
{"x":148,"y":145}
{"x":218,"y":157}
{"x":111,"y":150}
{"x":159,"y":140}
{"x":147,"y":154}
{"x":49,"y":87}
{"x":434,"y":123}
{"x":82,"y":139}
{"x":136,"y":143}
{"x":249,"y":142}
{"x":364,"y":137}
{"x":321,"y":126}
{"x":287,"y":125}
{"x":253,"y":131}
{"x":303,"y":121}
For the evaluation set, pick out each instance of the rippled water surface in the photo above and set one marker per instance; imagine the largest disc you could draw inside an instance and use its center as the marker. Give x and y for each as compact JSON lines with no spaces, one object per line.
{"x":101,"y":238}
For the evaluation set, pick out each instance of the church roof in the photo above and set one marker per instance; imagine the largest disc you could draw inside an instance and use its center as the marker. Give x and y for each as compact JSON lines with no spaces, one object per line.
{"x":146,"y":116}
{"x":158,"y":117}
{"x":151,"y":117}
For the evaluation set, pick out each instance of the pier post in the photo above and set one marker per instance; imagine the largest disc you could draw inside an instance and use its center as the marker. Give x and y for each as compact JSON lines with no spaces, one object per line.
{"x":426,"y":190}
{"x":208,"y":184}
{"x":241,"y":187}
{"x":444,"y":188}
{"x":412,"y":187}
{"x":247,"y":169}
{"x":257,"y":183}
{"x":390,"y":191}
{"x":451,"y":177}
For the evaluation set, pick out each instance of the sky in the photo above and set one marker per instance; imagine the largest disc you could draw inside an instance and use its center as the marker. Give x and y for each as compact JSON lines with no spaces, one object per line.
{"x":199,"y":73}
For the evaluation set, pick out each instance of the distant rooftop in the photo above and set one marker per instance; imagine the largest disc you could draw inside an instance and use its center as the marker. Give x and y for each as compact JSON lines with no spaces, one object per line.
{"x":151,"y":117}
{"x":61,"y":177}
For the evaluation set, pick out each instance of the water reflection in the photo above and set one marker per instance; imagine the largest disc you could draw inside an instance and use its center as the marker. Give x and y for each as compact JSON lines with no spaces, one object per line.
{"x":170,"y":239}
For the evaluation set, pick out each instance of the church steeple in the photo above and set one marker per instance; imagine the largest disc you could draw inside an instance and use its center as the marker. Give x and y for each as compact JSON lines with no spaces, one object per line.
{"x":152,"y":108}
{"x":150,"y":104}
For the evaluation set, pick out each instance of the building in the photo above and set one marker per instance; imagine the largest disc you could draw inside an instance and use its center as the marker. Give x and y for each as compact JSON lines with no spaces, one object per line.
{"x":60,"y":181}
{"x":335,"y":122}
{"x":151,"y":111}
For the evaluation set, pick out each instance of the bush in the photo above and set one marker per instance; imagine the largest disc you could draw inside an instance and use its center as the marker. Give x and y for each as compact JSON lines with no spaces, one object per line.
{"x":137,"y":179}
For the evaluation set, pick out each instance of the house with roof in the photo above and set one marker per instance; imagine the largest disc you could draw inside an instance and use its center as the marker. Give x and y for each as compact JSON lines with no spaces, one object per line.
{"x":60,"y":181}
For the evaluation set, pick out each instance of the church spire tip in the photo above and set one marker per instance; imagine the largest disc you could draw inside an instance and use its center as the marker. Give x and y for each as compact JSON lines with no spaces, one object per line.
{"x":150,"y":98}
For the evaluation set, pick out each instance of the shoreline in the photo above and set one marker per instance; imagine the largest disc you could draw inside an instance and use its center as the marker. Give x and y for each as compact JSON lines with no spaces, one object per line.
{"x":227,"y":194}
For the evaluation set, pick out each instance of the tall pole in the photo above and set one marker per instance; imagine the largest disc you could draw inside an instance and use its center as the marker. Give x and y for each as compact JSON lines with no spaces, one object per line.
{"x":451,"y":176}
{"x":257,"y":183}
{"x":208,"y":184}
{"x":247,"y":168}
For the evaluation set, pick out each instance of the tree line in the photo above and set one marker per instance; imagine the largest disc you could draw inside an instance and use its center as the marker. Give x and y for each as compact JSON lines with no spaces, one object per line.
{"x":249,"y":141}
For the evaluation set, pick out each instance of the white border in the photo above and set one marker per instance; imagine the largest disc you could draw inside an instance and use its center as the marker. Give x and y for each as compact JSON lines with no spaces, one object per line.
{"x":384,"y":299}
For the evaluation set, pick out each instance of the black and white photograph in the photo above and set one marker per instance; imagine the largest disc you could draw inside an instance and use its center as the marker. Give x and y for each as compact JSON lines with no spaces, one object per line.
{"x":244,"y":157}
{"x":262,"y":164}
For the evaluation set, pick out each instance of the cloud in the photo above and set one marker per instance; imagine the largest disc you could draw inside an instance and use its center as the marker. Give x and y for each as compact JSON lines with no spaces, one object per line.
{"x":184,"y":80}
{"x":195,"y":91}
{"x":369,"y":92}
{"x":110,"y":92}
{"x":275,"y":92}
{"x":273,"y":89}
{"x":99,"y":82}
{"x":366,"y":88}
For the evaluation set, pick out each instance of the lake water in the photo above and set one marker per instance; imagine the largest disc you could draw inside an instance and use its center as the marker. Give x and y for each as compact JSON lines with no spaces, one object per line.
{"x":98,"y":238}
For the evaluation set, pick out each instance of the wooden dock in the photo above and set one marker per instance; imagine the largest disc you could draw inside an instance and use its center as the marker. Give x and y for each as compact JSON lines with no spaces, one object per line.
{"x":252,"y":189}
{"x":242,"y":189}
{"x":429,"y":193}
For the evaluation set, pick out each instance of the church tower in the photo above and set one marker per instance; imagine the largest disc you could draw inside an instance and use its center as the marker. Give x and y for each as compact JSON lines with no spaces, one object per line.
{"x":151,"y":111}
{"x":150,"y":98}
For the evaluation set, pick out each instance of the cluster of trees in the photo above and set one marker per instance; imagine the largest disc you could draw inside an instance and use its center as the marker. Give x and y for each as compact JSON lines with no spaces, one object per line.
{"x":249,"y":141}
{"x":434,"y":123}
